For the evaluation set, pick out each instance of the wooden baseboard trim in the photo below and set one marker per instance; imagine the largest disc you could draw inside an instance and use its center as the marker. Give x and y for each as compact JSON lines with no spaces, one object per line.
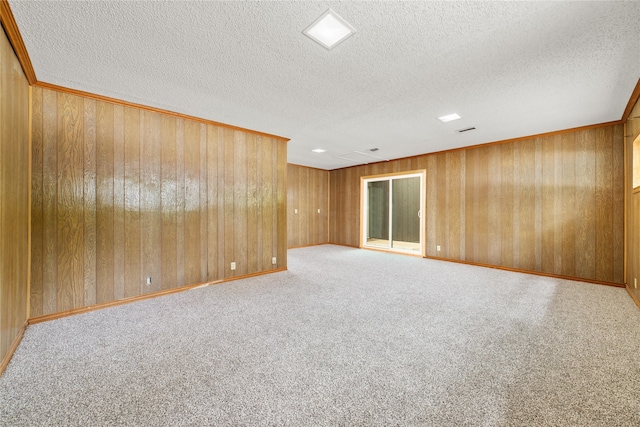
{"x":388,"y":251}
{"x":308,"y":246}
{"x":633,"y":296}
{"x":12,"y":349}
{"x":535,"y":273}
{"x":343,"y":245}
{"x":67,"y":313}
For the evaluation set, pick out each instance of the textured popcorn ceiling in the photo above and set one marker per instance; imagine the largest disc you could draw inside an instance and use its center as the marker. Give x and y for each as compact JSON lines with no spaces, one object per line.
{"x":510,"y":69}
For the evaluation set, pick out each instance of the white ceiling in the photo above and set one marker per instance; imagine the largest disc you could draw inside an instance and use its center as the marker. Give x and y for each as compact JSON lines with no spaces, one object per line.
{"x":510,"y":69}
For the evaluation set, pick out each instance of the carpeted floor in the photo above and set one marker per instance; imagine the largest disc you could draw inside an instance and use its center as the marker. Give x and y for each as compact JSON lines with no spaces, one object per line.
{"x":346,"y":337}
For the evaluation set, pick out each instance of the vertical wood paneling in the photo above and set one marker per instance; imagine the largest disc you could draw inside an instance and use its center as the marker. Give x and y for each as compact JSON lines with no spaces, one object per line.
{"x":471,"y":204}
{"x":557,"y":205}
{"x":104,"y":205}
{"x":548,"y":200}
{"x":252,"y":203}
{"x":618,"y":203}
{"x":150,"y":199}
{"x":240,"y":201}
{"x":268,"y":211}
{"x":49,"y":205}
{"x":307,"y":191}
{"x":494,"y":207}
{"x":133,"y":242}
{"x":262,"y":234}
{"x":14,"y":190}
{"x":212,"y":203}
{"x":89,"y":200}
{"x":585,"y":245}
{"x":169,"y":198}
{"x":281,"y":205}
{"x":604,"y":203}
{"x":568,"y":204}
{"x":180,"y":202}
{"x":204,"y":230}
{"x":526,"y":211}
{"x":537,"y":228}
{"x":229,"y":203}
{"x":37,"y":213}
{"x":454,"y":185}
{"x":118,"y":203}
{"x":480,"y":198}
{"x":293,"y":192}
{"x":529,"y":204}
{"x":123,"y":194}
{"x":70,"y":165}
{"x":432,"y":206}
{"x":507,"y":201}
{"x":192,"y":202}
{"x":442,"y":225}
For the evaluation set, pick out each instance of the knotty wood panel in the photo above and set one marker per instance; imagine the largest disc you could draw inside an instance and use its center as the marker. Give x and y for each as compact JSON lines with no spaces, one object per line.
{"x":550,"y":204}
{"x":307,"y":191}
{"x":122,"y":194}
{"x":14,"y":191}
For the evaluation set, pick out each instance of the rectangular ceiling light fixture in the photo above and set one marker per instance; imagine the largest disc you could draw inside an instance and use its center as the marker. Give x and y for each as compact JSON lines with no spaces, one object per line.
{"x":449,"y":118}
{"x":329,"y":30}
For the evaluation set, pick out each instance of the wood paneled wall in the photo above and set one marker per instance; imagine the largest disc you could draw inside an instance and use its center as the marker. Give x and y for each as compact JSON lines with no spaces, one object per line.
{"x":14,"y":202}
{"x":632,"y":134}
{"x":307,"y":192}
{"x":552,"y":204}
{"x":121,"y":194}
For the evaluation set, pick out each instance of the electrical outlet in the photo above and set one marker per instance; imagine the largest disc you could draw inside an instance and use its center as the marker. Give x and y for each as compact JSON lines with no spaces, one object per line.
{"x":148,"y":280}
{"x":273,"y":261}
{"x":635,"y":283}
{"x":318,"y":210}
{"x":233,"y":265}
{"x":295,"y":211}
{"x":438,"y":248}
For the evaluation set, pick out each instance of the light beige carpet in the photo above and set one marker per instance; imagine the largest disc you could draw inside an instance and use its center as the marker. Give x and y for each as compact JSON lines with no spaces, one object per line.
{"x":346,"y":337}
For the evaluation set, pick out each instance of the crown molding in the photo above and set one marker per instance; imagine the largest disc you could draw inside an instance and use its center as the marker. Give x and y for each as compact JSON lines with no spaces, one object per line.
{"x":13,"y":34}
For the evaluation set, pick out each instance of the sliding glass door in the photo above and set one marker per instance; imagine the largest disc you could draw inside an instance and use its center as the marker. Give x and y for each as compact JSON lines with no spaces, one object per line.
{"x":392,"y":208}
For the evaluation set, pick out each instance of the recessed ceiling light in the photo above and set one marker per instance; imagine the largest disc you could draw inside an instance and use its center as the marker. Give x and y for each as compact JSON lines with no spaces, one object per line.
{"x":449,"y":117}
{"x":318,"y":150}
{"x":329,"y":30}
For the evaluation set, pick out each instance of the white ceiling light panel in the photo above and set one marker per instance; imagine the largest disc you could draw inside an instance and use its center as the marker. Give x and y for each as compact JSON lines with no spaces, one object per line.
{"x":449,"y":118}
{"x":329,"y":30}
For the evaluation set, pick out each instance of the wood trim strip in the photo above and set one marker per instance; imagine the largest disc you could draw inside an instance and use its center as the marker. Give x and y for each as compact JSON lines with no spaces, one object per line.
{"x":371,"y":248}
{"x":488,"y":144}
{"x":631,"y":294}
{"x":152,"y":109}
{"x":625,"y":177}
{"x":308,"y":167}
{"x":116,"y":303}
{"x":13,"y":34}
{"x":344,"y":245}
{"x":635,"y":95}
{"x":308,"y":246}
{"x":12,"y":349}
{"x":29,"y":195}
{"x":533,"y":272}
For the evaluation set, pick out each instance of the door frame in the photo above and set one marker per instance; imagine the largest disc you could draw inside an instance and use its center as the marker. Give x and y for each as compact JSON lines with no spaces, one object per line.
{"x":364,"y":209}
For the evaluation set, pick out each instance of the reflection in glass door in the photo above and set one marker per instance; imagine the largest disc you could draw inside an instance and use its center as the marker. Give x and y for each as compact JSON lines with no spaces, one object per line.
{"x":392,"y":211}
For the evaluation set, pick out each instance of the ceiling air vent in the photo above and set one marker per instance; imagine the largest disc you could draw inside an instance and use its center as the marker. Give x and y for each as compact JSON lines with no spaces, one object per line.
{"x":465,"y":130}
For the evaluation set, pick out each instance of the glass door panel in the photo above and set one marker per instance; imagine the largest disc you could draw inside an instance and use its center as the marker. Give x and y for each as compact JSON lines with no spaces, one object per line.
{"x":391,"y":212}
{"x":378,"y":214}
{"x":405,"y":213}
